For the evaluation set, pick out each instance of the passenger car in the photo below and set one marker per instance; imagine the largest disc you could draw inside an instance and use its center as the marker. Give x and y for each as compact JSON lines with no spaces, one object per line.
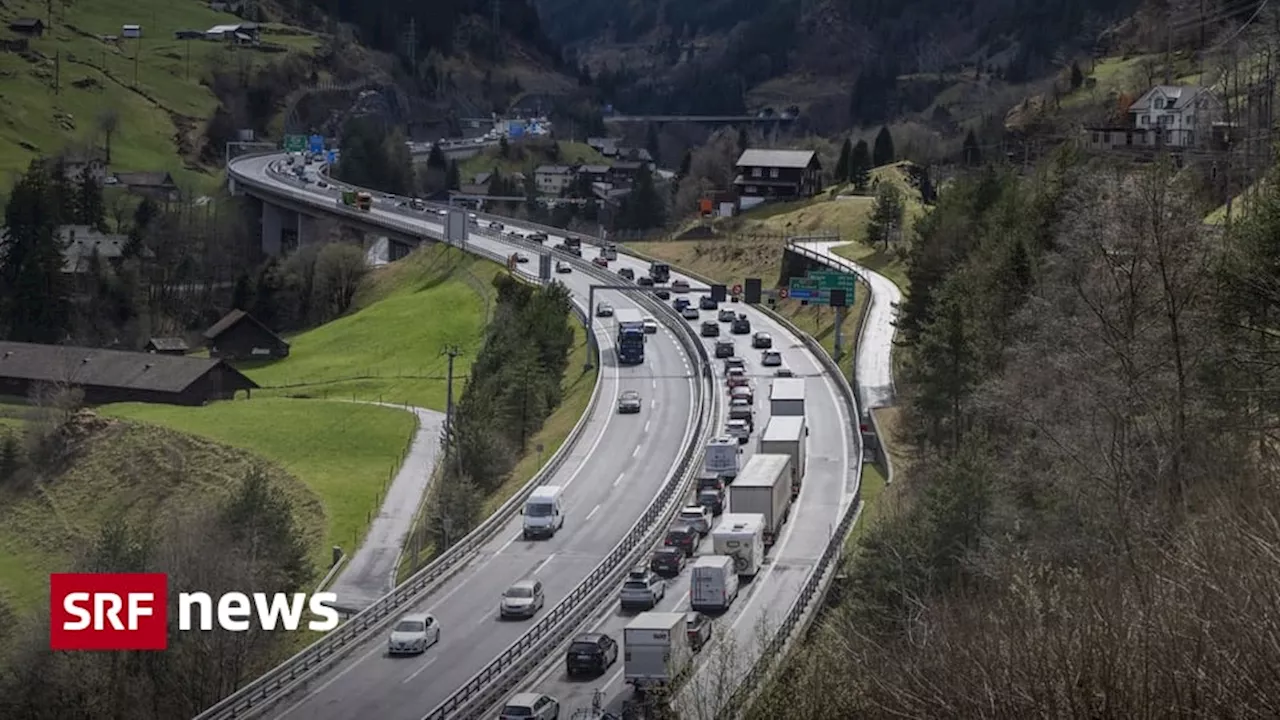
{"x":645,"y":281}
{"x":679,"y":286}
{"x":734,"y":362}
{"x":710,"y":329}
{"x":739,"y":429}
{"x":712,"y":500}
{"x":531,"y":706}
{"x":706,"y":303}
{"x":600,"y":261}
{"x":522,"y":600}
{"x":591,"y":653}
{"x":697,"y":517}
{"x":642,"y":589}
{"x":698,"y":629}
{"x":762,"y":340}
{"x":563,"y":267}
{"x":783,"y":371}
{"x":667,"y":561}
{"x":650,"y":326}
{"x":663,"y":294}
{"x":682,"y":535}
{"x":413,"y":634}
{"x":742,"y":391}
{"x":628,"y":402}
{"x":627,"y":273}
{"x":771,"y":358}
{"x":741,"y":325}
{"x":689,"y":313}
{"x":736,"y":376}
{"x":604,"y":309}
{"x":726,"y":315}
{"x":724,"y":349}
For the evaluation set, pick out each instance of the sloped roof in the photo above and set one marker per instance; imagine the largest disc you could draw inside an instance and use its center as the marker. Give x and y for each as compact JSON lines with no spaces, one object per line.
{"x":234,"y":318}
{"x":776,"y":158}
{"x":105,"y":368}
{"x":145,"y":179}
{"x":553,"y":170}
{"x":168,"y":343}
{"x":1182,"y":97}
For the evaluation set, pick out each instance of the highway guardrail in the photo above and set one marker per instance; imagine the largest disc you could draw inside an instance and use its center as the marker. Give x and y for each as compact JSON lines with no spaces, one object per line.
{"x":282,"y":679}
{"x":526,"y":653}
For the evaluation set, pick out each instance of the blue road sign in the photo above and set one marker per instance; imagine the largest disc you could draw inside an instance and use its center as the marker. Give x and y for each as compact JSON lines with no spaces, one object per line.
{"x":333,"y":157}
{"x":317,"y":143}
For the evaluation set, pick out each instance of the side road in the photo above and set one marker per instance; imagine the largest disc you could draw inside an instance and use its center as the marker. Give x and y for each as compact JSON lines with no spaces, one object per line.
{"x":370,"y":573}
{"x":875,"y":366}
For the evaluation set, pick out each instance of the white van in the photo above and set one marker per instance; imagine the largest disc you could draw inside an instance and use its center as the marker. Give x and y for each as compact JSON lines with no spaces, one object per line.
{"x":713,"y":584}
{"x":543,"y":512}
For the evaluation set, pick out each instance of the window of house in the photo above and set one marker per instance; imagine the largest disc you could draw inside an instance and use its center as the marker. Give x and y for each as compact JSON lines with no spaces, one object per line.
{"x":773,"y":172}
{"x":1191,"y":120}
{"x":751,"y":190}
{"x":1159,"y":103}
{"x":755,"y":172}
{"x":1191,"y":138}
{"x":1166,"y":120}
{"x":1095,"y":138}
{"x":1145,"y":120}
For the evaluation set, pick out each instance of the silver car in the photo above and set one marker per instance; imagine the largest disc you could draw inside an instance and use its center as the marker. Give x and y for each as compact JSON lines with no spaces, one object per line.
{"x":650,"y":326}
{"x":629,"y":402}
{"x":413,"y":634}
{"x":643,"y":589}
{"x":771,"y":358}
{"x":522,"y":600}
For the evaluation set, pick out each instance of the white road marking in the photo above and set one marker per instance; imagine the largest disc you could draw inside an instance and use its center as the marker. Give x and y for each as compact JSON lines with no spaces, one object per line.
{"x":653,"y":403}
{"x":543,"y":563}
{"x":419,"y":671}
{"x":653,"y":383}
{"x":646,"y":426}
{"x":620,"y":476}
{"x":636,"y":452}
{"x":594,"y":510}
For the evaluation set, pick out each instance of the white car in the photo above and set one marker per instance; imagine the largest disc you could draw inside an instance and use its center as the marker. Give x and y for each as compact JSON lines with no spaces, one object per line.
{"x":531,"y":706}
{"x":604,"y":309}
{"x":742,"y":391}
{"x":563,"y":267}
{"x":740,"y":430}
{"x":679,"y":286}
{"x":522,"y":600}
{"x":413,"y":634}
{"x":689,"y":313}
{"x":650,"y":326}
{"x":698,"y":517}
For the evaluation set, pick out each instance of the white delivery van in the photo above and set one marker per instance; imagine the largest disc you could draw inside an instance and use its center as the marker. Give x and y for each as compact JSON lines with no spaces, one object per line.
{"x":721,"y":457}
{"x":713,"y":584}
{"x":741,"y":536}
{"x":656,"y":650}
{"x":786,"y":397}
{"x":543,"y":512}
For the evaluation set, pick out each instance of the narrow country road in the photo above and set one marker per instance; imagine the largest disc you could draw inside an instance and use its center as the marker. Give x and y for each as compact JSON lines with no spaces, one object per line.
{"x":875,"y":365}
{"x":370,"y":573}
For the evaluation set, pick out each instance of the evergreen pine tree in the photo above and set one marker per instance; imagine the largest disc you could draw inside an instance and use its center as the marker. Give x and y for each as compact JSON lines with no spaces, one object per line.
{"x":842,"y":164}
{"x":90,"y":208}
{"x":10,"y":456}
{"x":883,"y":153}
{"x":35,"y":302}
{"x":453,"y":180}
{"x":686,"y":163}
{"x":651,"y":141}
{"x":971,"y":153}
{"x":744,"y":140}
{"x":927,"y":192}
{"x":1077,"y":77}
{"x":436,"y":158}
{"x":860,"y":166}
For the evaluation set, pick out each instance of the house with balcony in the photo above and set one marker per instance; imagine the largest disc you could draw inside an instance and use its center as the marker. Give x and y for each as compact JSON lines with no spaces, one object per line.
{"x":1166,"y":117}
{"x":777,"y":174}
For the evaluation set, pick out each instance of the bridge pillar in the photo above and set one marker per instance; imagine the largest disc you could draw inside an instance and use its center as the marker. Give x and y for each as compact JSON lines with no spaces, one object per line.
{"x":279,"y":229}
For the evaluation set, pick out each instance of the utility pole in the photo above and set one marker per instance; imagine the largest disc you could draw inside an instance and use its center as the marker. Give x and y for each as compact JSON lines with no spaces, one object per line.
{"x":411,"y":45}
{"x":57,"y":71}
{"x":137,"y":52}
{"x":452,"y":352}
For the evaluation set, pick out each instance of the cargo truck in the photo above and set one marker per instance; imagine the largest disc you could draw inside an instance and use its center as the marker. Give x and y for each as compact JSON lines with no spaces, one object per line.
{"x":361,"y":201}
{"x":787,"y":435}
{"x":764,"y":487}
{"x":656,"y":650}
{"x":787,"y":397}
{"x":741,"y":537}
{"x":609,"y":251}
{"x":631,"y":337}
{"x":721,"y":458}
{"x":713,"y":583}
{"x":660,"y":272}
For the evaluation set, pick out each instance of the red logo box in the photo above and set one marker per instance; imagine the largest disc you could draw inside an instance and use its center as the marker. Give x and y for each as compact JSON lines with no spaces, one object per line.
{"x":108,"y":611}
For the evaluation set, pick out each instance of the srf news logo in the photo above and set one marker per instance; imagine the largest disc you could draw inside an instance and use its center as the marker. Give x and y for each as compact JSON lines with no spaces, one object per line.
{"x":129,"y":611}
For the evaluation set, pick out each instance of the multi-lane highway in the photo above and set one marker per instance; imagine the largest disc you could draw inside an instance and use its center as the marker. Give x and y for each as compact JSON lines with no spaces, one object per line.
{"x":612,"y":475}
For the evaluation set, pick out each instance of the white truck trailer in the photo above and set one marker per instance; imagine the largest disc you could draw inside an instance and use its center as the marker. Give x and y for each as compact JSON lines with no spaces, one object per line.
{"x":786,"y":397}
{"x":721,"y":458}
{"x":656,"y":650}
{"x":741,"y":537}
{"x":713,"y":583}
{"x":787,"y":435}
{"x":764,"y":487}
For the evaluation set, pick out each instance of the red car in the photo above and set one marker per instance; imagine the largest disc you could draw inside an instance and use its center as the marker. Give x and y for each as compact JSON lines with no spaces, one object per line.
{"x":601,"y":262}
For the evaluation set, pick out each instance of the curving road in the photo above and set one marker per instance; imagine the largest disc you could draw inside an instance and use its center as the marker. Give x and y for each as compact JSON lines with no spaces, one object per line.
{"x":611,"y":499}
{"x":610,"y":478}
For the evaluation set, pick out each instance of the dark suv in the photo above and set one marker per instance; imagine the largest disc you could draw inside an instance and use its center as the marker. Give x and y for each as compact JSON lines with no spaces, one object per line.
{"x":667,"y":561}
{"x":682,"y":536}
{"x":724,"y":349}
{"x":591,"y":653}
{"x":712,"y":500}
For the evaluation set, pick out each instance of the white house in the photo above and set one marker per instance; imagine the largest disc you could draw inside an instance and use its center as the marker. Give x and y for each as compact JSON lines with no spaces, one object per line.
{"x":1176,"y":115}
{"x":553,"y":179}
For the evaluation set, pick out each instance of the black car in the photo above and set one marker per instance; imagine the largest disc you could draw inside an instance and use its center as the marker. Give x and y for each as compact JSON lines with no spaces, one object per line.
{"x":711,"y":482}
{"x":667,"y":561}
{"x":706,"y":303}
{"x":712,"y":500}
{"x":741,"y":326}
{"x":645,"y":281}
{"x":710,"y":329}
{"x":761,"y":341}
{"x":627,"y":274}
{"x":684,"y":537}
{"x":538,"y":237}
{"x":664,"y":294}
{"x":591,"y":653}
{"x":724,"y":349}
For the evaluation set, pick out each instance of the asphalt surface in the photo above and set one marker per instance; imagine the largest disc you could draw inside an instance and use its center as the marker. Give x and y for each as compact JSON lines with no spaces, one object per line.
{"x":875,"y":356}
{"x":371,"y":571}
{"x":610,"y":477}
{"x":825,"y":493}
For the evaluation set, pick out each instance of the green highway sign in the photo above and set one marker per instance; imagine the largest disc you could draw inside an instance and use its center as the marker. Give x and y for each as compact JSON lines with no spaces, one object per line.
{"x":295,"y":143}
{"x":816,"y":287}
{"x":828,"y":280}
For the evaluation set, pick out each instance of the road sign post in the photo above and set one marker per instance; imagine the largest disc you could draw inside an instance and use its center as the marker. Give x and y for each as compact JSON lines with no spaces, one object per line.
{"x":295,"y":143}
{"x":816,"y":287}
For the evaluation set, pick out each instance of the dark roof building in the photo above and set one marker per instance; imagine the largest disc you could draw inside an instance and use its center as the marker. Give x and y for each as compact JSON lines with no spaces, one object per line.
{"x":158,"y":186}
{"x":167,"y":346}
{"x":27,"y":26}
{"x":108,"y":376}
{"x":239,"y":336}
{"x":778,"y":174}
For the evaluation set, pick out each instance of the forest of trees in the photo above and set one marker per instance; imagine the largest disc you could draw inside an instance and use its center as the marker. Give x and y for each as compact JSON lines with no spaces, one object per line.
{"x":1085,"y":522}
{"x":515,"y":384}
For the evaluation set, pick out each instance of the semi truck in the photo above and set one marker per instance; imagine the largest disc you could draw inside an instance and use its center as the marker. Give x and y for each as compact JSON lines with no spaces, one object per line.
{"x":787,"y":397}
{"x":720,"y":458}
{"x":764,"y":487}
{"x":660,"y":272}
{"x":787,"y":435}
{"x":360,"y":200}
{"x":741,"y":537}
{"x":631,"y":337}
{"x":656,"y":650}
{"x":713,"y":583}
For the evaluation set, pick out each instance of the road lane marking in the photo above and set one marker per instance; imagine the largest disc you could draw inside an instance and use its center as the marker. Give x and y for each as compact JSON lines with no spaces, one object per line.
{"x":419,"y":671}
{"x":594,"y":510}
{"x":620,"y":476}
{"x":653,"y":383}
{"x":635,"y":452}
{"x":646,"y":426}
{"x":653,"y":403}
{"x":543,"y":564}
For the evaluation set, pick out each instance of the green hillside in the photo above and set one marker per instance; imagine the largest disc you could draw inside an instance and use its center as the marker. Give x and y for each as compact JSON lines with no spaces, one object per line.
{"x":71,"y":82}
